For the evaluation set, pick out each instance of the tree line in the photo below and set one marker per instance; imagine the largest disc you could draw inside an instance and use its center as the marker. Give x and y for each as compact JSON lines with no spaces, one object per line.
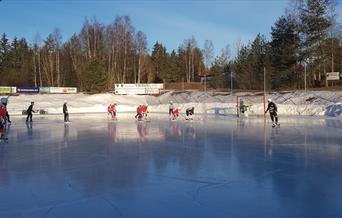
{"x":306,"y":38}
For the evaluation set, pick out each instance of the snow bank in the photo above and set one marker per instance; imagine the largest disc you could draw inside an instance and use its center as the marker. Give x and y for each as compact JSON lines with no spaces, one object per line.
{"x":314,"y":103}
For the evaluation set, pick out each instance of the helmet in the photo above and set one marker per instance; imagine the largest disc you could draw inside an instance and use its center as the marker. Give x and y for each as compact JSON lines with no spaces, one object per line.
{"x":171,"y":102}
{"x":269,"y":100}
{"x":65,"y":102}
{"x":4,"y":101}
{"x":146,"y":104}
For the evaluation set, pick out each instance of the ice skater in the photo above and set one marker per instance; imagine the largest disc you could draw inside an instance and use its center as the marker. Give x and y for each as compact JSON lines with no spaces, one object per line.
{"x":171,"y":106}
{"x":29,"y":112}
{"x":175,"y":113}
{"x":272,"y":108}
{"x":4,"y":102}
{"x":2,"y":122}
{"x":112,"y":110}
{"x":189,"y":113}
{"x":244,"y":108}
{"x":139,"y":114}
{"x":144,"y":110}
{"x":65,"y":112}
{"x":109,"y":109}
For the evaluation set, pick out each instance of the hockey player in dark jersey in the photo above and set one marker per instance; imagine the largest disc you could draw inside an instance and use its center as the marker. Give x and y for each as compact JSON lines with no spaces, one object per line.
{"x":66,"y":112}
{"x":272,"y":109}
{"x":189,"y":112}
{"x":29,"y":112}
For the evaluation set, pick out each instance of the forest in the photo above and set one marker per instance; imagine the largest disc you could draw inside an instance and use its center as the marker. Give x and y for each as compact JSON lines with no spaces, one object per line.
{"x":305,"y":40}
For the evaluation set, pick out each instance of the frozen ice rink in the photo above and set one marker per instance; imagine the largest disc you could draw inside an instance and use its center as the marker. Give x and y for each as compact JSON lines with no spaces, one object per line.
{"x":215,"y":167}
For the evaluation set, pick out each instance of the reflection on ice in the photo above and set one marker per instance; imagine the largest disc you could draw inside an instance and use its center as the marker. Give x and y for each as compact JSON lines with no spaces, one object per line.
{"x":216,"y":167}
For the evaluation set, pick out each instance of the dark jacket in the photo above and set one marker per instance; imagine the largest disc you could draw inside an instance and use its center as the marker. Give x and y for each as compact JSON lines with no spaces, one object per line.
{"x":65,"y":108}
{"x":30,"y":109}
{"x":272,"y":107}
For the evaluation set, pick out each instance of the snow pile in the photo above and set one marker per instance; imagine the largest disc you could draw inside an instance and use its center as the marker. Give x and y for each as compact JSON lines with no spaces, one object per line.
{"x":314,"y":103}
{"x":334,"y":110}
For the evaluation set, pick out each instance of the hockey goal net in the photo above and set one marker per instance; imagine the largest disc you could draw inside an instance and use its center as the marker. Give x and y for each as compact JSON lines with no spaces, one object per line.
{"x":252,"y":103}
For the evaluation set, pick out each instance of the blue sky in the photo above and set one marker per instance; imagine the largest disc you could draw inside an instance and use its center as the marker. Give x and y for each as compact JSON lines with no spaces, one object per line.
{"x":168,"y":21}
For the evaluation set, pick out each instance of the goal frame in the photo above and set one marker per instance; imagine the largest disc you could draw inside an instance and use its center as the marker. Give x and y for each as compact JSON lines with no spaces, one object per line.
{"x":260,"y":95}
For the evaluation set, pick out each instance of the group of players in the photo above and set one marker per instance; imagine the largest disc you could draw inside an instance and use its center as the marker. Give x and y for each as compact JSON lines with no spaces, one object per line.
{"x":174,"y":112}
{"x":142,"y":112}
{"x":271,"y":108}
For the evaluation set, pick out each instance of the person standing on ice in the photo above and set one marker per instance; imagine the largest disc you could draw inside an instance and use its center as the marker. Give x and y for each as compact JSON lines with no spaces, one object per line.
{"x":29,"y":112}
{"x":65,"y":112}
{"x":4,"y":102}
{"x":139,"y":115}
{"x":113,"y":111}
{"x":243,"y":108}
{"x":171,"y":106}
{"x":175,"y":113}
{"x":144,"y":109}
{"x":272,"y":108}
{"x":2,"y":121}
{"x":189,"y":112}
{"x":109,"y":109}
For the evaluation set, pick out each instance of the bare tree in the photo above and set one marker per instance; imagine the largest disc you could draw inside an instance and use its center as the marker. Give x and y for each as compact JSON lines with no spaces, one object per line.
{"x":57,"y":36}
{"x":188,"y":47}
{"x":141,"y":43}
{"x":36,"y":59}
{"x":208,"y":53}
{"x":225,"y":55}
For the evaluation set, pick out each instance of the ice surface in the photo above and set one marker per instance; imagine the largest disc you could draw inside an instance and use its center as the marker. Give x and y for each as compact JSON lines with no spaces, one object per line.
{"x":214,"y":166}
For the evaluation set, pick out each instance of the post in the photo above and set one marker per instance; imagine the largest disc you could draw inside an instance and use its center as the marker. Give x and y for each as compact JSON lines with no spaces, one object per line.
{"x":305,"y":78}
{"x":231,"y":83}
{"x":264,"y":98}
{"x":264,"y":80}
{"x":205,"y":82}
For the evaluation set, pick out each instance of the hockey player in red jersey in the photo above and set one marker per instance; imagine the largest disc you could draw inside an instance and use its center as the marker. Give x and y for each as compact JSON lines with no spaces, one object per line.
{"x":3,"y":113}
{"x":139,"y":115}
{"x":113,"y":111}
{"x":175,"y":113}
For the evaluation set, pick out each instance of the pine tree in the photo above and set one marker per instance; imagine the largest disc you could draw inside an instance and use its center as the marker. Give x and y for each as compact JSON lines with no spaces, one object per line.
{"x":4,"y":50}
{"x":94,"y":77}
{"x":314,"y":25}
{"x":159,"y":61}
{"x":284,"y":52}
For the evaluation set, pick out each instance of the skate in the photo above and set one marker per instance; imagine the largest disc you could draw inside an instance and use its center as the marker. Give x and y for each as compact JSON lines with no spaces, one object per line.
{"x":276,"y":125}
{"x":3,"y":139}
{"x":114,"y":119}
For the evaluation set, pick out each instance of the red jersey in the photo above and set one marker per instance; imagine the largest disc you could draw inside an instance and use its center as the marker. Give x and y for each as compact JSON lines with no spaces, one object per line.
{"x":113,"y":108}
{"x":3,"y":112}
{"x":139,"y":109}
{"x":175,"y":111}
{"x":144,"y":108}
